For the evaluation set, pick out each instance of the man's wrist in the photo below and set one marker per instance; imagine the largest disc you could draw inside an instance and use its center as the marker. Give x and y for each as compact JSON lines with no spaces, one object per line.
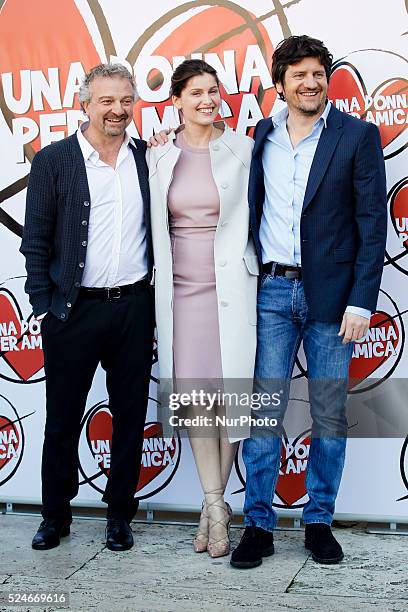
{"x":362,"y":312}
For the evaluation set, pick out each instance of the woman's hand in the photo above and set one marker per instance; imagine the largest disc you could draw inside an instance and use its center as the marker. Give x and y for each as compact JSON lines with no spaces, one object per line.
{"x":159,"y":139}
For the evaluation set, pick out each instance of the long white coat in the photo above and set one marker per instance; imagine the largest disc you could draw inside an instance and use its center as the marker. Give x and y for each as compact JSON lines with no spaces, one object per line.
{"x":236,"y":268}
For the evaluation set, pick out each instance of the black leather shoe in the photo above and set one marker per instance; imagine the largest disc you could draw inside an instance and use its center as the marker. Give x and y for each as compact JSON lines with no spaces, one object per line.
{"x":118,"y":534}
{"x":322,"y":543}
{"x":255,"y":544}
{"x":49,"y":533}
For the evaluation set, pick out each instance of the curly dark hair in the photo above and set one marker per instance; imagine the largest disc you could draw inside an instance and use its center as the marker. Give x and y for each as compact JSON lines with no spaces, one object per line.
{"x":186,"y":70}
{"x":295,"y":48}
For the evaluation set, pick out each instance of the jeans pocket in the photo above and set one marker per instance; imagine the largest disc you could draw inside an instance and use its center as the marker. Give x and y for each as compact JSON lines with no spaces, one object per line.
{"x":264,"y":278}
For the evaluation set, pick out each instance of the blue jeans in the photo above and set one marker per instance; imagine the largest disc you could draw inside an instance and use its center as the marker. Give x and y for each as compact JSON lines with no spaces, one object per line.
{"x":282,"y":324}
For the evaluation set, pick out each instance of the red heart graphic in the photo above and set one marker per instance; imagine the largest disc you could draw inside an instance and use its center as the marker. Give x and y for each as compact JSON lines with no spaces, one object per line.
{"x":291,"y":485}
{"x":7,"y":428}
{"x":154,"y":432}
{"x":376,"y":350}
{"x":214,"y":30}
{"x":99,"y":437}
{"x":346,"y":83}
{"x":38,"y":36}
{"x":399,"y":212}
{"x":25,"y":361}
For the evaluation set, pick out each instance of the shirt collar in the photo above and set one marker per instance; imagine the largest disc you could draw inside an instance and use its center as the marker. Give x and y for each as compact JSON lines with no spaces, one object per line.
{"x":280,"y":118}
{"x":86,"y":147}
{"x":325,"y":113}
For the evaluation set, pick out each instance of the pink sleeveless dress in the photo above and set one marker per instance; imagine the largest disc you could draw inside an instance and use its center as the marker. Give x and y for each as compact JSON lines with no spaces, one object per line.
{"x":194,"y":207}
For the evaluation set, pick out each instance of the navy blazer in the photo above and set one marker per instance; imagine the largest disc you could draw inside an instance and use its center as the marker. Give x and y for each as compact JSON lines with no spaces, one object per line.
{"x":343,"y":225}
{"x":55,"y":234}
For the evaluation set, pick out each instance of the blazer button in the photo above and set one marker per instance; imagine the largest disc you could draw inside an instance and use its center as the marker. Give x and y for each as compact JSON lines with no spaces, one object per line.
{"x":81,"y":264}
{"x":84,"y":243}
{"x":62,"y":315}
{"x":224,"y":304}
{"x":84,"y":222}
{"x":77,"y":284}
{"x":86,"y":203}
{"x":69,"y":304}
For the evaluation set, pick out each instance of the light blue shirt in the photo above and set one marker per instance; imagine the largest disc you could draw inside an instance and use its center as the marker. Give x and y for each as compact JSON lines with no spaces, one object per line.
{"x":286,"y":172}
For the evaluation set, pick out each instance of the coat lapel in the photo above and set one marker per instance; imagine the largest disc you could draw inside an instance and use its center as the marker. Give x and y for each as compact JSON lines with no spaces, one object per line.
{"x":256,"y":189}
{"x":139,"y":153}
{"x":142,"y":173}
{"x":324,"y":152}
{"x":263,"y":130}
{"x":79,"y":177}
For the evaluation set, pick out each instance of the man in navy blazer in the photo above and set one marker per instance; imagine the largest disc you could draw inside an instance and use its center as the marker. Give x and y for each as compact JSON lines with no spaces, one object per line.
{"x":317,"y":196}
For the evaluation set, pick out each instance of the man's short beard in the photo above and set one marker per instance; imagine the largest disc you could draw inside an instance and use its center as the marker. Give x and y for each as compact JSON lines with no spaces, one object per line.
{"x":113,"y":131}
{"x":309,"y":113}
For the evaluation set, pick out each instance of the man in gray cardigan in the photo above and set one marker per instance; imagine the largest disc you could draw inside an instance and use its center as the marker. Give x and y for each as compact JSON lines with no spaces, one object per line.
{"x":87,"y":244}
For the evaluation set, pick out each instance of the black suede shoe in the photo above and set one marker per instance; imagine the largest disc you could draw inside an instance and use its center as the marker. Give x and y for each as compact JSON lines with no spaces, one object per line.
{"x":118,"y":535}
{"x":49,"y":533}
{"x":255,"y":544}
{"x":324,"y":546}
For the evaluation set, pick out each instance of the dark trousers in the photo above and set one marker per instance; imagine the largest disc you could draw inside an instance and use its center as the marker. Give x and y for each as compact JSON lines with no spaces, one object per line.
{"x":118,"y":333}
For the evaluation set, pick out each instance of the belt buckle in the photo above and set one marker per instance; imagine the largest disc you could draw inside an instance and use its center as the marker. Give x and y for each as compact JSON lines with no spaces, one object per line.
{"x":292,"y":274}
{"x":112,"y":295}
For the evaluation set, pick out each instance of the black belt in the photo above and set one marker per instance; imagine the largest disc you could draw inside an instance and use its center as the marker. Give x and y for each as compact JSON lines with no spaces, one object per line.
{"x":113,"y":293}
{"x":291,"y":272}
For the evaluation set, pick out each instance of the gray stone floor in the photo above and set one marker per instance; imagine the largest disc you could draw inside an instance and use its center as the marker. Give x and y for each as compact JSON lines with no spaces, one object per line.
{"x":163,"y":574}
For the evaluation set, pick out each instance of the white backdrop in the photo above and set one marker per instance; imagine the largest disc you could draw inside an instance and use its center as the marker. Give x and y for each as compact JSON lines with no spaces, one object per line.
{"x":44,"y":49}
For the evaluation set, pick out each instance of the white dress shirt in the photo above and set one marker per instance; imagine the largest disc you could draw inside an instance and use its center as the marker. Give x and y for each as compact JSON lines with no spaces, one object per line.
{"x":116,"y":251}
{"x":286,"y":172}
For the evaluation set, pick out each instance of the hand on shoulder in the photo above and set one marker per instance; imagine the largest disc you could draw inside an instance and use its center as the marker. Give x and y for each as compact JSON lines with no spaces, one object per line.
{"x":160,"y":138}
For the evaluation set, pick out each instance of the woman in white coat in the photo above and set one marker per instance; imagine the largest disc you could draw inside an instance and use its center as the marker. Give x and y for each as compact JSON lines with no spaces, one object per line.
{"x":205,"y":283}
